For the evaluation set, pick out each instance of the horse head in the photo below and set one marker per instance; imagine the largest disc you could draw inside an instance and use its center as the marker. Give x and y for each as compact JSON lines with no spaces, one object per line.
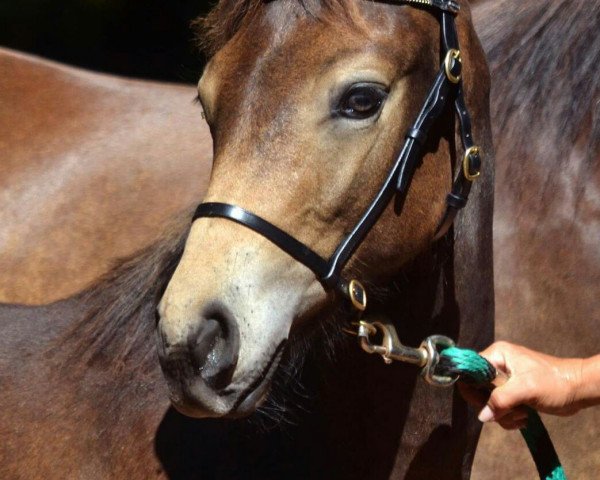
{"x":308,"y":105}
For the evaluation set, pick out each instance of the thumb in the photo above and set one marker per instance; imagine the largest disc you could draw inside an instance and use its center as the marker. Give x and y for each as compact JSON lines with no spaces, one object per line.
{"x":502,"y":401}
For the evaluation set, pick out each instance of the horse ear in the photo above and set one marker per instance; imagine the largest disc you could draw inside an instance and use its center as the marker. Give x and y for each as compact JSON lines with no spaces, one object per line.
{"x":473,"y":253}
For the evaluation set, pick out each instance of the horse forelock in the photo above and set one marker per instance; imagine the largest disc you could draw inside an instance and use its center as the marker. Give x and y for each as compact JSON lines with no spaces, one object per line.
{"x":229,"y":16}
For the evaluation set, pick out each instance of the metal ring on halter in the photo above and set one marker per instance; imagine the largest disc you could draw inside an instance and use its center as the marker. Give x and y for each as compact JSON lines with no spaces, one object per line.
{"x":450,"y":63}
{"x":430,"y":345}
{"x":358,"y":295}
{"x":467,"y":164}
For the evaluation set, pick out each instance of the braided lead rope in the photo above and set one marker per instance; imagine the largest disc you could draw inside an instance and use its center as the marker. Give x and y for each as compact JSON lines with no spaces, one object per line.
{"x":472,"y":368}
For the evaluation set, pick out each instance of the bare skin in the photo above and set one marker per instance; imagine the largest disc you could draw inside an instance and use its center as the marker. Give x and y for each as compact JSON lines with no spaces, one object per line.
{"x":553,"y":385}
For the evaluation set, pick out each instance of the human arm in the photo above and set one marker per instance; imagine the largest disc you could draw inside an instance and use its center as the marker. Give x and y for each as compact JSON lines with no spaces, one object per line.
{"x":589,"y":389}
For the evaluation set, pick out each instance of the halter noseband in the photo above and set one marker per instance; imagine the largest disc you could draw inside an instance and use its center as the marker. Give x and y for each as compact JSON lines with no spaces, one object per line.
{"x":447,"y":85}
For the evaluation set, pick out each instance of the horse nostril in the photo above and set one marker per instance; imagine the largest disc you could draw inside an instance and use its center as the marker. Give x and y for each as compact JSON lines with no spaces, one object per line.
{"x":214,"y":347}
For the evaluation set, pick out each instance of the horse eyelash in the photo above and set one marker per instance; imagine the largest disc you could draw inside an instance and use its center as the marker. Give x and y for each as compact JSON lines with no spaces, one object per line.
{"x":197,"y":101}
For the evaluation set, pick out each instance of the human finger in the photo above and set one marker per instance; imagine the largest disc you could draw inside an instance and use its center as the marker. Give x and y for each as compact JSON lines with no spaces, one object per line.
{"x":502,"y":401}
{"x":510,"y":424}
{"x":496,"y":355}
{"x":517,"y":415}
{"x":475,"y":396}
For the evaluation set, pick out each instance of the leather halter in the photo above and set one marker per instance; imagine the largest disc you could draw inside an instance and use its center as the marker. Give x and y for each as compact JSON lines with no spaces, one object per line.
{"x":447,"y":86}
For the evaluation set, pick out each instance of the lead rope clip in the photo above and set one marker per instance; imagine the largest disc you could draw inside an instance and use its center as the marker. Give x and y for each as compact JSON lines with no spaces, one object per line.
{"x":391,"y":349}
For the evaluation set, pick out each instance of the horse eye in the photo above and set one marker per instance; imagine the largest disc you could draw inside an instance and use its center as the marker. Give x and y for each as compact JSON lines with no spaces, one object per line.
{"x":361,"y":101}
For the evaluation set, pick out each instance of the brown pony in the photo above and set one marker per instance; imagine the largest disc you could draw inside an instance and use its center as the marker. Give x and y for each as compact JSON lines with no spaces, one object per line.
{"x":91,"y":165}
{"x":544,"y":59}
{"x":81,"y":394}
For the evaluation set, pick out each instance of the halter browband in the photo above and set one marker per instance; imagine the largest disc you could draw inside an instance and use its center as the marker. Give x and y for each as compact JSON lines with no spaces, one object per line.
{"x":447,"y":84}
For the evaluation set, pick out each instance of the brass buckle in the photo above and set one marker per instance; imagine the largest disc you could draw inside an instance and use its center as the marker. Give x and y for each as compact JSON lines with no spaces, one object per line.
{"x":358,"y":295}
{"x":466,"y":170}
{"x":452,"y":56}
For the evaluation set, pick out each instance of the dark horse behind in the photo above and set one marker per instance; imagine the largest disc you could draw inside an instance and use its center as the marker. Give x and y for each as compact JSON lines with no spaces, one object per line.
{"x":544,"y":59}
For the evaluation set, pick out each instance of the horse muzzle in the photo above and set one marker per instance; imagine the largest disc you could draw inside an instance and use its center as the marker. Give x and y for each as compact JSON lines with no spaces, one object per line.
{"x":201,"y":365}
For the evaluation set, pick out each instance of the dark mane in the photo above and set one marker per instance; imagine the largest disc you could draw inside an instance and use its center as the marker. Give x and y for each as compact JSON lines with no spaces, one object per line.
{"x":544,"y":59}
{"x":117,"y":323}
{"x":229,"y":16}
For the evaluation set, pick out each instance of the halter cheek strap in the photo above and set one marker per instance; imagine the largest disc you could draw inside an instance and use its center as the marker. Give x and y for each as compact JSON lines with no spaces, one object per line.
{"x":446,"y":87}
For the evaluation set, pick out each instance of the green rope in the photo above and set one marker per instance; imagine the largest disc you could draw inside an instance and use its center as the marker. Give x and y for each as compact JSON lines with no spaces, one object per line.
{"x":472,"y":368}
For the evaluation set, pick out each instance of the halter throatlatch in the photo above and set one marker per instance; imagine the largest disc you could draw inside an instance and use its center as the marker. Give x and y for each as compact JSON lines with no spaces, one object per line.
{"x":446,"y":87}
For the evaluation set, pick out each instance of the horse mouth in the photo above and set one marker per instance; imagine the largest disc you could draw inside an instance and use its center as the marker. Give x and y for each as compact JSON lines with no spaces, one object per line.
{"x":256,"y":393}
{"x":194,"y":398}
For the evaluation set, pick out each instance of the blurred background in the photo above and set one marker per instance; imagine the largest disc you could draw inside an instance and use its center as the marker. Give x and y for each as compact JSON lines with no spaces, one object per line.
{"x":137,"y":38}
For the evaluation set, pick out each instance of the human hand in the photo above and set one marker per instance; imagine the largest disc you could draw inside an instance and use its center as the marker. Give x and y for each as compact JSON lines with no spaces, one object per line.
{"x":546,"y":383}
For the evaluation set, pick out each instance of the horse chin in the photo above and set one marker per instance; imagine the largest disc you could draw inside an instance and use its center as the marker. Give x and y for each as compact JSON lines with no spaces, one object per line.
{"x":194,"y":398}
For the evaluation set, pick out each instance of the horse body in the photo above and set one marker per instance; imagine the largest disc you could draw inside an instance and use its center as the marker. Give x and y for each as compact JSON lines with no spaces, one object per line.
{"x":72,"y":408}
{"x":58,"y":423}
{"x":547,"y":210}
{"x":88,"y":172}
